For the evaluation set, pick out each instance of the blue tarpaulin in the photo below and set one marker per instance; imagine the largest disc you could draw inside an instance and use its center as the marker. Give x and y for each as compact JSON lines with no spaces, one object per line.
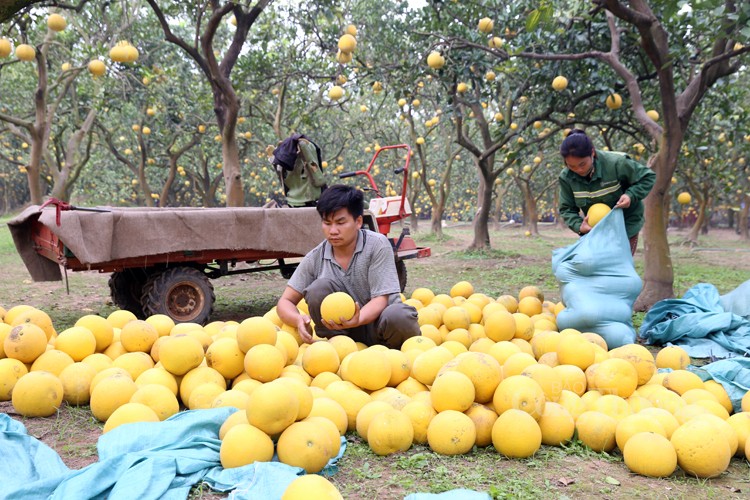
{"x":159,"y":460}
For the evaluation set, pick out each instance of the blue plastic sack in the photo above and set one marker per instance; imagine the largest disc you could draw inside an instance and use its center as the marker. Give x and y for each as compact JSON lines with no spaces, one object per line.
{"x":598,"y":282}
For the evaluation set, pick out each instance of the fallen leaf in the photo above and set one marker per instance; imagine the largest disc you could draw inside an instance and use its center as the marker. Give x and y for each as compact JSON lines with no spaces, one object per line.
{"x":564,"y":481}
{"x":612,"y":481}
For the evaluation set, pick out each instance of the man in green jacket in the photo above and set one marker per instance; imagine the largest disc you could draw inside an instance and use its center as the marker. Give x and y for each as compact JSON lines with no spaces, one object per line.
{"x":593,"y":177}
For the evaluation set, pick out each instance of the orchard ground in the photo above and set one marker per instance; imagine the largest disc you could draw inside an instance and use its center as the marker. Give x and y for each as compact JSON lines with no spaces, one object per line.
{"x":514,"y":261}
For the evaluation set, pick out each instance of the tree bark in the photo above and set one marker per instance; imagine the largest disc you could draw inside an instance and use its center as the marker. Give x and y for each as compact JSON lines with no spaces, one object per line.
{"x":481,"y":228}
{"x":743,"y":222}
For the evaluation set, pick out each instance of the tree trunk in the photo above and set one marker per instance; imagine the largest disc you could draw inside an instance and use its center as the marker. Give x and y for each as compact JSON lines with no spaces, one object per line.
{"x":658,"y":275}
{"x":743,"y":222}
{"x":436,"y":219}
{"x":530,"y":213}
{"x":700,"y":220}
{"x":481,"y":228}
{"x":32,"y":172}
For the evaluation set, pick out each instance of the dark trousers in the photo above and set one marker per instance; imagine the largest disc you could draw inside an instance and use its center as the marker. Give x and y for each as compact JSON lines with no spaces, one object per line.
{"x":396,"y":323}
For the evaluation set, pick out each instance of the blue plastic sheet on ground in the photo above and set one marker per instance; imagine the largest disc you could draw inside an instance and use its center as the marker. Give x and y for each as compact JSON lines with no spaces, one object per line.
{"x":699,"y":323}
{"x":458,"y":494}
{"x":159,"y":460}
{"x":733,"y":374}
{"x":598,"y":282}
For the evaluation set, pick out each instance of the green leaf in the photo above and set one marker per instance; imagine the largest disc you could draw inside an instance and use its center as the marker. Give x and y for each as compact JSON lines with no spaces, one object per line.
{"x":533,"y":20}
{"x":612,"y":481}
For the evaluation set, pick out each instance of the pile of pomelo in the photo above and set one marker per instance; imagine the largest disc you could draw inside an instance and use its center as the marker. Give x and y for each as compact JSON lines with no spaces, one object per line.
{"x":484,"y":372}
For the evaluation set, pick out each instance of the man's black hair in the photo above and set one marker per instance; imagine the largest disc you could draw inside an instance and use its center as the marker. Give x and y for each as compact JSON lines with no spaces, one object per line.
{"x":340,"y":196}
{"x":577,"y":144}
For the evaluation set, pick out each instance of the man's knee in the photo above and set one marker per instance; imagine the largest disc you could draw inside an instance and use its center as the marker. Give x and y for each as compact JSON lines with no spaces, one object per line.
{"x":319,"y":290}
{"x":397,"y":323}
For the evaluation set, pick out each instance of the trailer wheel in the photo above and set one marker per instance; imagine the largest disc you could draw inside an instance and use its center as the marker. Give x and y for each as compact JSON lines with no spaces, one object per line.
{"x":184,"y":294}
{"x":126,"y":287}
{"x":401,"y":271}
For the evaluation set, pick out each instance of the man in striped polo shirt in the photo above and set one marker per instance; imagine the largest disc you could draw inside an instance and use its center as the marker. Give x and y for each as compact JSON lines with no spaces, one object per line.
{"x":352,"y":260}
{"x":611,"y":178}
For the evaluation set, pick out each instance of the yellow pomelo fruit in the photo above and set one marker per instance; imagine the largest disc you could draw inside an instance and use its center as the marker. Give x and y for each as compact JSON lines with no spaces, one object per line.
{"x":224,"y":355}
{"x":435,"y":60}
{"x":474,"y":310}
{"x":97,"y":67}
{"x":323,"y":379}
{"x":337,"y":307}
{"x":37,"y":394}
{"x":452,"y":391}
{"x":454,"y":347}
{"x":443,"y":299}
{"x":572,"y":378}
{"x":78,"y":342}
{"x":303,"y":445}
{"x":56,"y":22}
{"x":264,"y":362}
{"x":484,"y":418}
{"x":296,"y":372}
{"x":633,"y":424}
{"x":701,"y":450}
{"x":162,"y":323}
{"x":389,"y":432}
{"x":236,"y":418}
{"x":724,"y":429}
{"x":108,"y":372}
{"x":668,"y":421}
{"x":204,"y":395}
{"x":492,"y":307}
{"x":25,"y":343}
{"x":509,"y":302}
{"x":673,"y":357}
{"x":411,"y":386}
{"x":369,"y":369}
{"x":573,"y":403}
{"x":530,"y":306}
{"x":344,"y":345}
{"x":198,"y":376}
{"x":430,"y":316}
{"x":522,"y":393}
{"x":460,"y":335}
{"x":115,"y":350}
{"x":245,"y":444}
{"x":311,"y":486}
{"x":693,"y":395}
{"x":5,"y":50}
{"x":462,"y":289}
{"x":614,"y":101}
{"x":614,"y":376}
{"x":246,"y":385}
{"x":517,"y":363}
{"x":180,"y":354}
{"x":303,"y":393}
{"x":35,"y":317}
{"x":366,"y":414}
{"x":451,"y":433}
{"x":25,"y":52}
{"x":650,"y":454}
{"x":159,"y":398}
{"x":15,"y":311}
{"x":596,"y":213}
{"x":483,"y":371}
{"x":427,"y":365}
{"x":640,"y":357}
{"x":500,"y":326}
{"x":614,"y":406}
{"x":120,"y":318}
{"x":653,"y":114}
{"x":456,"y":317}
{"x":684,"y":198}
{"x":740,"y":422}
{"x":134,"y":363}
{"x":688,"y":412}
{"x":110,"y":393}
{"x":158,"y":376}
{"x":329,"y":408}
{"x":547,"y":379}
{"x":272,"y":408}
{"x":557,"y":424}
{"x":424,"y":295}
{"x":400,"y":367}
{"x":597,"y":430}
{"x":595,"y":339}
{"x":255,"y":330}
{"x":575,"y":350}
{"x":666,"y":399}
{"x":590,"y":397}
{"x":550,"y":359}
{"x":720,"y":393}
{"x":347,"y":43}
{"x":559,"y":83}
{"x":638,"y":403}
{"x":524,"y":326}
{"x":289,"y":343}
{"x":4,"y":331}
{"x":486,"y":25}
{"x":501,"y":351}
{"x":320,"y":357}
{"x":681,"y":381}
{"x":138,"y":336}
{"x":100,"y":327}
{"x":516,"y":434}
{"x":232,"y":398}
{"x":129,"y":413}
{"x":11,"y":370}
{"x":531,"y":291}
{"x":420,"y":414}
{"x":544,"y":341}
{"x":52,"y":361}
{"x":330,"y":430}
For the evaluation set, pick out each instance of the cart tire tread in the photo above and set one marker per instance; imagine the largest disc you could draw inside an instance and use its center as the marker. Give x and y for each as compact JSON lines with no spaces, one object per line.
{"x":125,"y":288}
{"x":192,"y":295}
